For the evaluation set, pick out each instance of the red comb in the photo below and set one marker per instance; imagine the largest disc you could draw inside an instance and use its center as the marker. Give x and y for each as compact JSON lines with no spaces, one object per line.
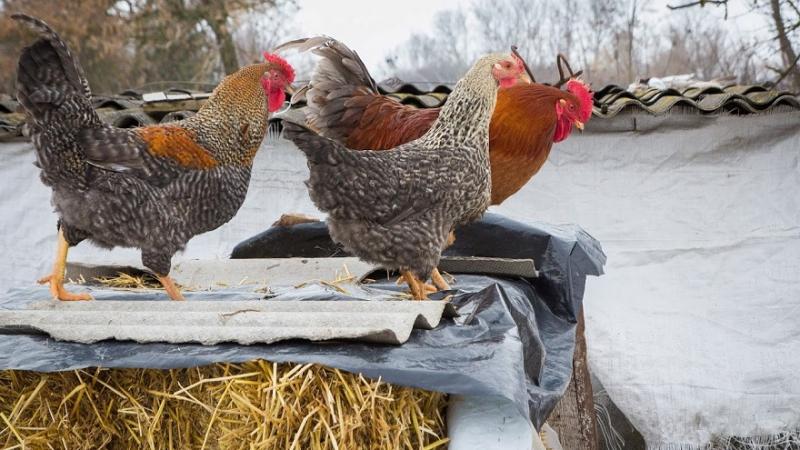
{"x":284,"y":66}
{"x":581,"y":90}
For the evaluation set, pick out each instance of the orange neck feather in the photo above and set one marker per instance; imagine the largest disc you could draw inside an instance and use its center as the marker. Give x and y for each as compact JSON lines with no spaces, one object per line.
{"x":525,"y":118}
{"x":520,"y":136}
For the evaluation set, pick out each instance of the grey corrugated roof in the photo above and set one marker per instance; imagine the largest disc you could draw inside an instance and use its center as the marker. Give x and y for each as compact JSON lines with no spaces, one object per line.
{"x":205,"y":274}
{"x":122,"y":315}
{"x":612,"y":99}
{"x":267,"y":271}
{"x":214,"y":322}
{"x":737,"y":99}
{"x":132,"y":109}
{"x":127,"y":110}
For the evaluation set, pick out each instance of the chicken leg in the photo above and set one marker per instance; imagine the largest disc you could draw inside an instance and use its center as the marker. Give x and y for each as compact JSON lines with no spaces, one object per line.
{"x":438,"y":280}
{"x":56,"y":279}
{"x":426,"y":286}
{"x":419,"y":289}
{"x":436,"y":277}
{"x":169,"y":286}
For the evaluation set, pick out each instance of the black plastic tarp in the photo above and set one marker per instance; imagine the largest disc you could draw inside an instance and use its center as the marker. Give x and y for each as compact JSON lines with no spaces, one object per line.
{"x":513,"y":338}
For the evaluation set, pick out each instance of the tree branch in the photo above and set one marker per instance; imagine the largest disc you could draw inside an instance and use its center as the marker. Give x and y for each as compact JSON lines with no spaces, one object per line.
{"x":788,"y":70}
{"x":702,"y":3}
{"x":795,"y":8}
{"x":699,"y":3}
{"x":789,"y":55}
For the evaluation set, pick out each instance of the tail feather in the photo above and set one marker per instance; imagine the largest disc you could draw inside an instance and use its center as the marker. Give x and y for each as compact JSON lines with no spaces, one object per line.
{"x":318,"y":149}
{"x":47,"y":72}
{"x":347,"y":65}
{"x":339,"y":86}
{"x":339,"y":180}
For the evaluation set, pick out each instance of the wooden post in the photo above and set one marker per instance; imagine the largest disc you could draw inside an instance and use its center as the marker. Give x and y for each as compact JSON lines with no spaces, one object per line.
{"x":574,"y":419}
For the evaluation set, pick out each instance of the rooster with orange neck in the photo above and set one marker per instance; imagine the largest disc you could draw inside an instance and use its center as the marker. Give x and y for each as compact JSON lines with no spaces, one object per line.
{"x":151,"y":188}
{"x":397,"y":207}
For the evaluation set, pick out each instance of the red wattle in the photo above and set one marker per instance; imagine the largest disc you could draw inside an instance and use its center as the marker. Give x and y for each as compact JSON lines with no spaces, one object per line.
{"x":276,"y":99}
{"x":563,"y":129}
{"x":508,"y":82}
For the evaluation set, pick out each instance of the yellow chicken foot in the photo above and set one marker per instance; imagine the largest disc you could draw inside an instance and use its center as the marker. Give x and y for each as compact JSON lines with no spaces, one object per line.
{"x":169,"y":286}
{"x":428,"y":287}
{"x":418,"y":292}
{"x":56,"y":279}
{"x":438,"y":280}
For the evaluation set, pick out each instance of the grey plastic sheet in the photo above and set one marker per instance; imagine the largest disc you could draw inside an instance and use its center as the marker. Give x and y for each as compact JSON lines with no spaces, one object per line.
{"x":513,"y":338}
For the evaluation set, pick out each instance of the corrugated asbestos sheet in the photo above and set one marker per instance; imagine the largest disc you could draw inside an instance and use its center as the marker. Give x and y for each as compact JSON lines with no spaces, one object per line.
{"x":210,"y":274}
{"x":612,"y":99}
{"x":263,"y":317}
{"x":133,"y":109}
{"x":215,"y":322}
{"x":208,"y":320}
{"x":735,"y":99}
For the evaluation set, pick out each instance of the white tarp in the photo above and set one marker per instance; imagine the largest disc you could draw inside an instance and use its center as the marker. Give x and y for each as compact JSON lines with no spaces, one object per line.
{"x":692,"y":330}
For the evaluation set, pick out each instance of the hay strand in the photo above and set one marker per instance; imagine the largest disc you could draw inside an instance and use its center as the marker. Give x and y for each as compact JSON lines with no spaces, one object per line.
{"x":127,"y":281}
{"x":254,"y":405}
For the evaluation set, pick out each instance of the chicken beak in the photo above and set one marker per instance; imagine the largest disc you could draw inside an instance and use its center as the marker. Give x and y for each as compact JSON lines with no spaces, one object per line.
{"x":579,"y":125}
{"x":290,"y":89}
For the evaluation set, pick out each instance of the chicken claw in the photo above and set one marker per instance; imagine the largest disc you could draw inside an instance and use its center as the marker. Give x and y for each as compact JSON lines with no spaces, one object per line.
{"x":418,"y":289}
{"x":56,"y":279}
{"x":169,"y":286}
{"x":438,"y":280}
{"x":427,"y":286}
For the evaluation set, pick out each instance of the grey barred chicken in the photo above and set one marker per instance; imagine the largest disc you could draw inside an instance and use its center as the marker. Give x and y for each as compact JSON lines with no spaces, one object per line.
{"x":396,"y":208}
{"x":151,"y":188}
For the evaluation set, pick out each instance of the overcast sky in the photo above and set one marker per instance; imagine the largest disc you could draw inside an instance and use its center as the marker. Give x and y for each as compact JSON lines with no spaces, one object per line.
{"x":374,"y":28}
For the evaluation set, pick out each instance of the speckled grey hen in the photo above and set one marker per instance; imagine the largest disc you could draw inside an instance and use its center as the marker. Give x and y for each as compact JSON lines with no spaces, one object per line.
{"x":151,"y":188}
{"x":396,"y":208}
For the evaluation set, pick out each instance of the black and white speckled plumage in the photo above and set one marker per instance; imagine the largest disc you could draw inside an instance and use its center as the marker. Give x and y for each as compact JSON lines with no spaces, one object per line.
{"x":115,"y":187}
{"x":396,"y":207}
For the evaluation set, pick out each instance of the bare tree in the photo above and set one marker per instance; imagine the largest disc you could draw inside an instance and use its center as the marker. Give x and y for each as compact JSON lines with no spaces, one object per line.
{"x":613,"y":41}
{"x":633,"y":35}
{"x":785,"y":17}
{"x":263,"y":28}
{"x":702,"y":47}
{"x":511,"y":22}
{"x":441,"y":56}
{"x":790,"y":58}
{"x":595,"y":37}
